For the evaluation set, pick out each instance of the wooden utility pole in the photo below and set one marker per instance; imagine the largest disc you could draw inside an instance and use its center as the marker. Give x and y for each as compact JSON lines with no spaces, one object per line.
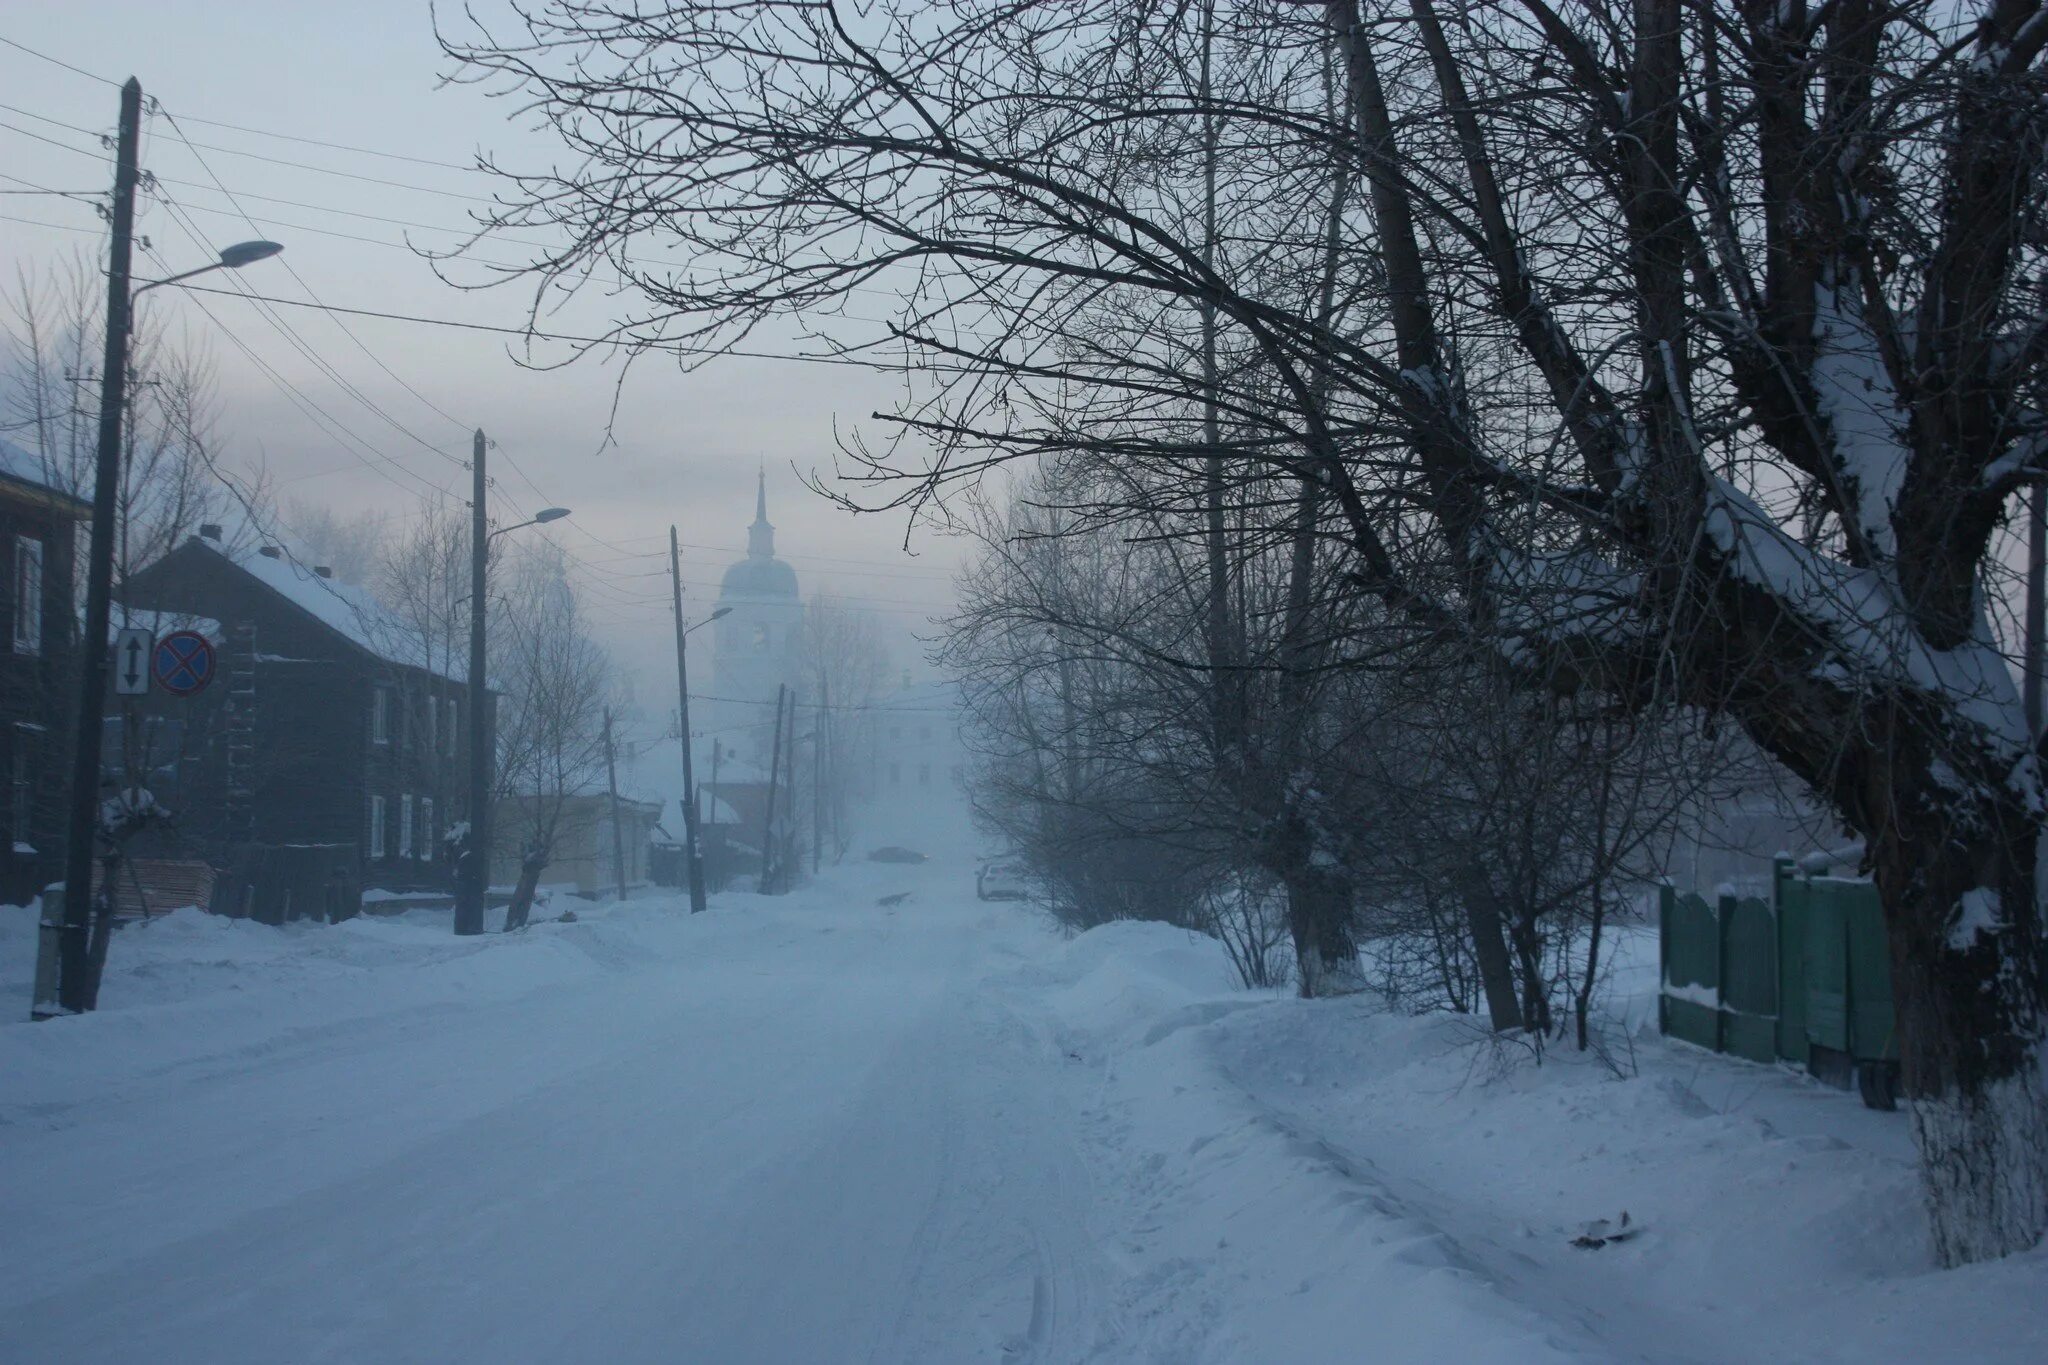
{"x":717,"y":752}
{"x":768,"y":817}
{"x":817,"y":789}
{"x":611,"y":781}
{"x":692,"y":856}
{"x":473,"y":872}
{"x":76,"y":986}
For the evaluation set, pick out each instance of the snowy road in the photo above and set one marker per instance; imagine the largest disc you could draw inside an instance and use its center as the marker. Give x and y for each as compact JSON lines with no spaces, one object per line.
{"x":811,"y":1129}
{"x":808,"y":1135}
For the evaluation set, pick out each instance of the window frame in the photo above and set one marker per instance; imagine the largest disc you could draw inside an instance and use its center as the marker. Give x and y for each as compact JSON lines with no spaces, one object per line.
{"x":405,"y":825}
{"x":20,"y":796}
{"x":29,"y":564}
{"x":380,"y":714}
{"x":425,"y":851}
{"x":376,"y":826}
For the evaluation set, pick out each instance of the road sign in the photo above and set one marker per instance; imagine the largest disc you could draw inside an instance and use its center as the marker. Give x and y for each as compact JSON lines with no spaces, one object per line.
{"x":183,"y":662}
{"x":131,"y":662}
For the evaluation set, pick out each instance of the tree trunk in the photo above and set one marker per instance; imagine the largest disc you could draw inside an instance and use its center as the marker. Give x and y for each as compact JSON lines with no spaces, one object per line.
{"x":1490,"y":950}
{"x":530,"y":867}
{"x":1318,"y":919}
{"x":1970,"y":1044}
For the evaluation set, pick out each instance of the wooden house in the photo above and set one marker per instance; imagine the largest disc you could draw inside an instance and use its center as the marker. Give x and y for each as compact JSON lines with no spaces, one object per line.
{"x":332,"y":723}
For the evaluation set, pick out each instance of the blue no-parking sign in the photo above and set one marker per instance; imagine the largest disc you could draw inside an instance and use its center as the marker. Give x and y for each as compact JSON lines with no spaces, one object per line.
{"x":183,"y":662}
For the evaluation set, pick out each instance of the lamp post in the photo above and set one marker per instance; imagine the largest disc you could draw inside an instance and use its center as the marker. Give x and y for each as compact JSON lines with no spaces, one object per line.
{"x":473,"y":871}
{"x":693,"y":852}
{"x":77,"y":985}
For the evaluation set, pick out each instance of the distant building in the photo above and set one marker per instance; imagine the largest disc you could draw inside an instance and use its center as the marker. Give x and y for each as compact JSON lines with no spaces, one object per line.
{"x":585,"y":857}
{"x":330,"y":723}
{"x":758,"y":645}
{"x":38,"y":636}
{"x":918,"y":766}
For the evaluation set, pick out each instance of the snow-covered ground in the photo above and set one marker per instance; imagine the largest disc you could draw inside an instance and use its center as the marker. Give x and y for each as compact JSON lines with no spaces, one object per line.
{"x":817,"y":1129}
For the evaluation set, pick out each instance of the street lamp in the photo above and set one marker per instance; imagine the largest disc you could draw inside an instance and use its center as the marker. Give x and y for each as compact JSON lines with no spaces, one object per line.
{"x":472,"y":872}
{"x":693,"y":852}
{"x":231,"y":258}
{"x":77,"y":986}
{"x":540,"y":518}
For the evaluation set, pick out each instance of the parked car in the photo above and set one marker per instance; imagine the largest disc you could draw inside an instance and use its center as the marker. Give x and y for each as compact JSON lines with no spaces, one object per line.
{"x":893,"y":854}
{"x":1002,"y":881}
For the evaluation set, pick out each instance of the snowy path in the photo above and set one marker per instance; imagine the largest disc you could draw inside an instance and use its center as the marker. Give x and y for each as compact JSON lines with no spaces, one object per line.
{"x":815,"y":1140}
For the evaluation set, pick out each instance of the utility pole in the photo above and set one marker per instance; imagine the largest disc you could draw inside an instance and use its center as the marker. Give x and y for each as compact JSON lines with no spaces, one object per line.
{"x":831,"y":752}
{"x":75,"y":986}
{"x":611,"y":782}
{"x":768,"y":819}
{"x":717,"y":751}
{"x":692,"y":854}
{"x":817,"y":789}
{"x":474,"y":870}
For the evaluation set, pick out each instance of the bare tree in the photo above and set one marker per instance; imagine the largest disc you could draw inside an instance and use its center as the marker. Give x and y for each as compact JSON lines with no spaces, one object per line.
{"x":169,"y":485}
{"x":842,"y":669}
{"x":1700,"y":375}
{"x":555,"y":684}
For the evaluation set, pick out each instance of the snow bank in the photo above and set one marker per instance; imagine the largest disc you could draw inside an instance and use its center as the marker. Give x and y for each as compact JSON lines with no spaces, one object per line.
{"x":1327,"y":1181}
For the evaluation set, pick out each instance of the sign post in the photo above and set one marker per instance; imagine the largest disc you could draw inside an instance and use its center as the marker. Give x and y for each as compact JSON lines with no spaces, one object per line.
{"x":131,"y":662}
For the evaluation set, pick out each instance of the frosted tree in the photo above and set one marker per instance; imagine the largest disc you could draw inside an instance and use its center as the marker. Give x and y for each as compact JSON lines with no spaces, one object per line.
{"x":1700,"y":370}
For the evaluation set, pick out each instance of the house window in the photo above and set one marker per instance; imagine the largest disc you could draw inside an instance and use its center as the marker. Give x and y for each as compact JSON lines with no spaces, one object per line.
{"x":376,"y":827}
{"x":380,"y":715}
{"x":28,"y":595}
{"x":433,"y":718}
{"x":427,"y":828}
{"x":760,"y":639}
{"x":405,"y":826}
{"x":19,"y":798}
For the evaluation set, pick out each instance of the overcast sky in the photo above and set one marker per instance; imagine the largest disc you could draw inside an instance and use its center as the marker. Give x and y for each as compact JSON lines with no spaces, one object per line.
{"x":354,"y":435}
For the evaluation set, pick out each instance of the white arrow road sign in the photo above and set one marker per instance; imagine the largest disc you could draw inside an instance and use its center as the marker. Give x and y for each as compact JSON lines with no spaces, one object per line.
{"x":131,"y":662}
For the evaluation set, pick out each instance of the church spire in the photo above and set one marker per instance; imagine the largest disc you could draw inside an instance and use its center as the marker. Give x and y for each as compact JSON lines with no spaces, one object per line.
{"x":761,"y":535}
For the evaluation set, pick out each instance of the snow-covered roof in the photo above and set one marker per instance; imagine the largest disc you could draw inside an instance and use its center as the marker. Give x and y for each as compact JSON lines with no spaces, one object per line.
{"x":162,"y":623}
{"x":347,"y":610}
{"x":19,"y":467}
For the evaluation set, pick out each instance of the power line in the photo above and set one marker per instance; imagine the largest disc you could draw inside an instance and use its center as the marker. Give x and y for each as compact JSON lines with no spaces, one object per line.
{"x":290,"y":269}
{"x":37,"y":222}
{"x":254,"y":156}
{"x":338,"y":146}
{"x":348,"y":439}
{"x":322,"y":365}
{"x":257,"y":132}
{"x":77,"y":70}
{"x":676,"y":348}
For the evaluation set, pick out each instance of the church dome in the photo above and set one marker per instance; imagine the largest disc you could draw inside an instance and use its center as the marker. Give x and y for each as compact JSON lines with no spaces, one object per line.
{"x":759,"y":577}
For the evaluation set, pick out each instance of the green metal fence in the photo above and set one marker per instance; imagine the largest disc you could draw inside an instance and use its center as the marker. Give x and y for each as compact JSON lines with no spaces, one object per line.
{"x":1802,"y":978}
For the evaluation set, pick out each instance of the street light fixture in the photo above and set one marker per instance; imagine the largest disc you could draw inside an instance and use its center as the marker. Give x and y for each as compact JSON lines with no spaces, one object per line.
{"x":77,"y":987}
{"x":540,"y":518}
{"x":472,"y":871}
{"x":231,"y":258}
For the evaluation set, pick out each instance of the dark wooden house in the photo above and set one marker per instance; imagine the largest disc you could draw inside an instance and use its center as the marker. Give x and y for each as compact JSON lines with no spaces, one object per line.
{"x":38,"y":634}
{"x":332,"y":724}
